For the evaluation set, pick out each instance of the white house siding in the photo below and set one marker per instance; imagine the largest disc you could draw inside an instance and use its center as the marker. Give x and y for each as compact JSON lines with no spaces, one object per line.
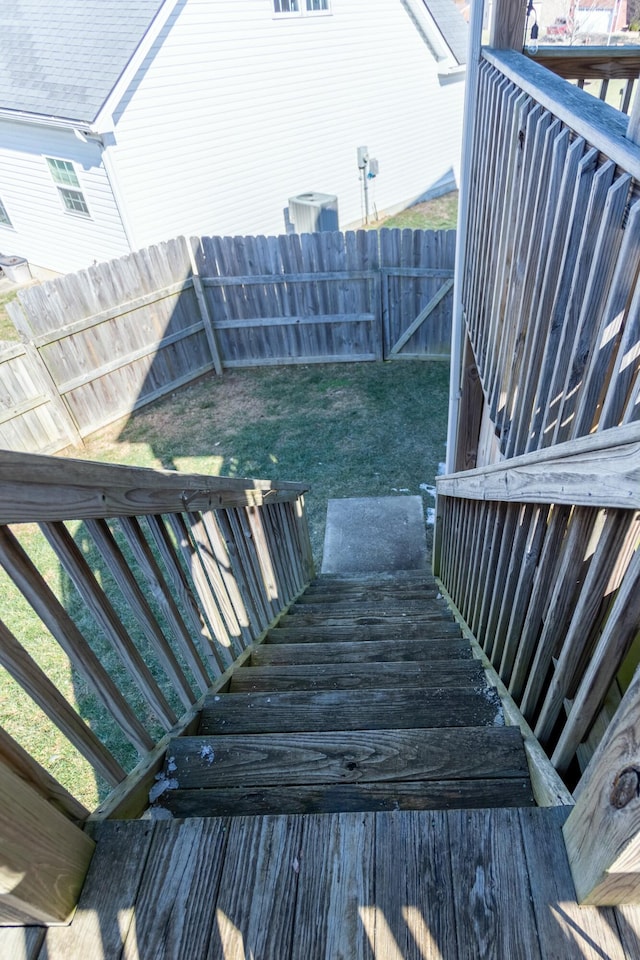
{"x":235,"y":111}
{"x":42,"y":231}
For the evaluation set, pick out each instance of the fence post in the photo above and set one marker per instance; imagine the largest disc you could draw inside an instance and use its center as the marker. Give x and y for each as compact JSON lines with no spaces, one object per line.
{"x":42,"y":375}
{"x":204,"y":309}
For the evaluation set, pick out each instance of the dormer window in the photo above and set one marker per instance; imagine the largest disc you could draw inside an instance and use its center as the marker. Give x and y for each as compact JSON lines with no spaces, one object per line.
{"x":300,"y":7}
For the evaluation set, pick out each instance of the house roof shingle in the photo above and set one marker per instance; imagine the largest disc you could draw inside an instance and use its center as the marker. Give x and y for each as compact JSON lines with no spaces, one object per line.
{"x":62,"y":59}
{"x":451,"y":25}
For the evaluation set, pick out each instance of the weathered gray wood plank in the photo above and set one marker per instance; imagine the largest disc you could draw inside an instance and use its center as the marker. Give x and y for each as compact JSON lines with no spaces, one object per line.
{"x":173,"y":910}
{"x":348,"y":757}
{"x":341,"y":797}
{"x":335,"y":870}
{"x":494,"y":913}
{"x":105,"y":912}
{"x":254,"y":911}
{"x":349,"y":710}
{"x":369,"y":652}
{"x":332,"y":676}
{"x":566,"y":931}
{"x":350,"y":607}
{"x":414,"y":909}
{"x":373,"y":628}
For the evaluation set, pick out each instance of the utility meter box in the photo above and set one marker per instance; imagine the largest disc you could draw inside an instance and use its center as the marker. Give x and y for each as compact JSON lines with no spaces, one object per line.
{"x":313,"y":212}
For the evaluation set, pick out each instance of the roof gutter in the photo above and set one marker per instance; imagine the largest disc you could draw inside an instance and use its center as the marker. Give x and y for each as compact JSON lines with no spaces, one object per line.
{"x":44,"y":120}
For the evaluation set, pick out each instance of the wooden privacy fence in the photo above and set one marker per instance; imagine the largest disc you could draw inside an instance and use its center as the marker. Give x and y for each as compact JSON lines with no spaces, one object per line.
{"x":99,"y":343}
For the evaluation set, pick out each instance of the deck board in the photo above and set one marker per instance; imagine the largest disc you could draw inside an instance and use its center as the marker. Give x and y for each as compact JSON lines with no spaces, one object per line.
{"x":336,"y":878}
{"x":414,"y":910}
{"x":254,"y":912}
{"x":173,"y":917}
{"x":108,"y":896}
{"x":566,"y":931}
{"x":451,"y":885}
{"x":494,"y":913}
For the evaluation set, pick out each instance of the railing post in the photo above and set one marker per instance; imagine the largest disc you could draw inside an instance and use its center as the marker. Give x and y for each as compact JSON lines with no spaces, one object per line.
{"x":602,"y":834}
{"x":633,"y":127}
{"x":458,"y":322}
{"x":44,"y":856}
{"x":507,"y":24}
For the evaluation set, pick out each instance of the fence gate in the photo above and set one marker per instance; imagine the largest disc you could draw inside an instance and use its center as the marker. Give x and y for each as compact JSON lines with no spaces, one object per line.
{"x":417,"y":304}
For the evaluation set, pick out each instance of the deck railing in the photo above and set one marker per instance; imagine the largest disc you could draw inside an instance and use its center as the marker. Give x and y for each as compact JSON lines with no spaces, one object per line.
{"x":201,"y":566}
{"x":550,"y":291}
{"x":594,"y":69}
{"x":540,"y":552}
{"x":541,"y":556}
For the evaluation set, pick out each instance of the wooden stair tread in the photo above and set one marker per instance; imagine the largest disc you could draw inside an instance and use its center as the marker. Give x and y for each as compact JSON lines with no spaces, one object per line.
{"x":367,"y":594}
{"x":358,"y":652}
{"x":389,"y":607}
{"x":359,"y":617}
{"x":370,"y":628}
{"x":350,"y":710}
{"x":438,"y":673}
{"x":346,"y":798}
{"x":365,"y":697}
{"x":347,"y":756}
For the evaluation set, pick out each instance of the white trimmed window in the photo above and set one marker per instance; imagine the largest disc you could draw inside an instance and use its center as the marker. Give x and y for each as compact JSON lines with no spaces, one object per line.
{"x":4,"y":216}
{"x":300,"y":7}
{"x":66,"y":180}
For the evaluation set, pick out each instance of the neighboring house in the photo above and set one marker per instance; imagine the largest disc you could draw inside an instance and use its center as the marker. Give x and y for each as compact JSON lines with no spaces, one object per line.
{"x":126,"y":122}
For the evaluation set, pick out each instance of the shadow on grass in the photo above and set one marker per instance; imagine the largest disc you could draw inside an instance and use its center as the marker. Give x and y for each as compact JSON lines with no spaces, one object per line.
{"x":348,"y":430}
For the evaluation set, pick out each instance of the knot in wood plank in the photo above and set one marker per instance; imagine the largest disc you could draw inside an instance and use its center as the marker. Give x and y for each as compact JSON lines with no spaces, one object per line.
{"x":626,"y":787}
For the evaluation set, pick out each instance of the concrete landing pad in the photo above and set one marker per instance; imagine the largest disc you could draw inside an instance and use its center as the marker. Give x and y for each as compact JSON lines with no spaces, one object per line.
{"x":375,"y":535}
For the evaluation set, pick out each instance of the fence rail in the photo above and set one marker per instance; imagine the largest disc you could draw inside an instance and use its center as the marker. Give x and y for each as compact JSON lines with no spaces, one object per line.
{"x":100,"y":343}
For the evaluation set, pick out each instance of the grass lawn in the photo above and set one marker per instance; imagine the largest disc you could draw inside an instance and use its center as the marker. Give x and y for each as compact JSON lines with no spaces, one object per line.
{"x":438,"y":214}
{"x":349,"y":430}
{"x":7,"y":329}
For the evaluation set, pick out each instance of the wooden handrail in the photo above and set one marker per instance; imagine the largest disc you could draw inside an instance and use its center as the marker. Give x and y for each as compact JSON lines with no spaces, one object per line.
{"x":34,"y":487}
{"x":600,"y":124}
{"x":589,"y":63}
{"x":600,"y":470}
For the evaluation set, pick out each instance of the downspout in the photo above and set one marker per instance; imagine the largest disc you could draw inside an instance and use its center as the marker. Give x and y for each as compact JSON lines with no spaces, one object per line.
{"x":457,"y":331}
{"x":109,"y":167}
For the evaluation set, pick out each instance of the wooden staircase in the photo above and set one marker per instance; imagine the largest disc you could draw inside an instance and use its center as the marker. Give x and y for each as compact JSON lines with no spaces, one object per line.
{"x":365,"y":697}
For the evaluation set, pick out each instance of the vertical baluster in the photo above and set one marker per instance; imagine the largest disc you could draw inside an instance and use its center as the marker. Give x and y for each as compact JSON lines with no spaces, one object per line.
{"x":56,"y":619}
{"x":103,"y":612}
{"x":218,"y":653}
{"x":121,"y":572}
{"x":161,"y":593}
{"x":25,"y":671}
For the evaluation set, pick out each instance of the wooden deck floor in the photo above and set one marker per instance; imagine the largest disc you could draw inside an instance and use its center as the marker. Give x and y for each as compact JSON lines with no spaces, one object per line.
{"x":391,"y":886}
